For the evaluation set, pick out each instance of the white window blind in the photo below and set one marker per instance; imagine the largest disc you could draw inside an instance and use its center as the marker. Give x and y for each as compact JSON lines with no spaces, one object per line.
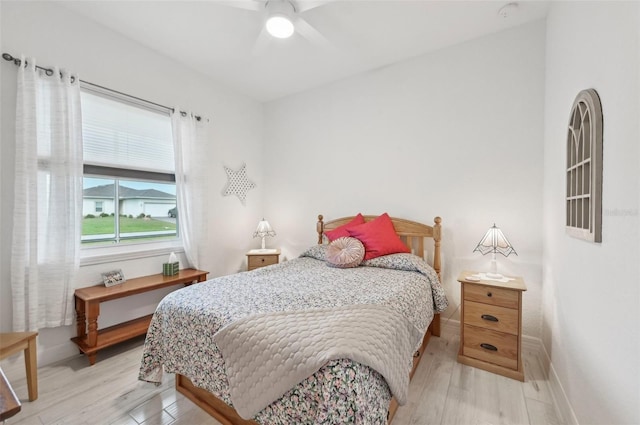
{"x":117,"y":134}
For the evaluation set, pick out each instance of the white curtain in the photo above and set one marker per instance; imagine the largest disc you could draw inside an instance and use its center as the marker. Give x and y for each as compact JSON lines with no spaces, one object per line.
{"x":48,"y":198}
{"x":190,"y":182}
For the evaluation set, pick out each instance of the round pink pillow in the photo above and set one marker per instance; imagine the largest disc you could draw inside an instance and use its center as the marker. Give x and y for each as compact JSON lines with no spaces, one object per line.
{"x":345,"y":252}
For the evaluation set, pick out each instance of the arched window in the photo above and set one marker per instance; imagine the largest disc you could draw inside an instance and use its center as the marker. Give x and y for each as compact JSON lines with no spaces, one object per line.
{"x":584,"y":168}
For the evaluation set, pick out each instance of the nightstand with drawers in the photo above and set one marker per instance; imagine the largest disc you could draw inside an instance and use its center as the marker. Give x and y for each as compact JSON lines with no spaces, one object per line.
{"x":491,"y":324}
{"x":257,"y":258}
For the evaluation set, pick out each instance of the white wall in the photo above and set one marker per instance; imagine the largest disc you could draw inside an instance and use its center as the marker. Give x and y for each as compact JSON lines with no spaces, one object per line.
{"x":456,"y":133}
{"x":591,"y":291}
{"x":56,"y":36}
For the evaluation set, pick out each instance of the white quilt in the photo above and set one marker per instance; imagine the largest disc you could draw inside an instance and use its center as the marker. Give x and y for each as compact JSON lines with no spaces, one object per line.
{"x":267,"y":354}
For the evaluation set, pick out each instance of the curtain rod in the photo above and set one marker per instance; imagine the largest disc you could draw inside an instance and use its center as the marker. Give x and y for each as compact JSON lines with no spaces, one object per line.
{"x":49,"y":72}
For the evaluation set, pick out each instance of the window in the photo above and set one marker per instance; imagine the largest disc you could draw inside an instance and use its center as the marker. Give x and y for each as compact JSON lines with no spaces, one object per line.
{"x":584,"y":168}
{"x":129,"y":190}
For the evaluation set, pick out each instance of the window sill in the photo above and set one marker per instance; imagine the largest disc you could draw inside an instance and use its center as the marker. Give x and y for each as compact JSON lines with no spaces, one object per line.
{"x":112,"y":254}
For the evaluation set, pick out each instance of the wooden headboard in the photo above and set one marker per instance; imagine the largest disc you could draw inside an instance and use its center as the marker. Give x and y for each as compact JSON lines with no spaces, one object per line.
{"x":412,"y":234}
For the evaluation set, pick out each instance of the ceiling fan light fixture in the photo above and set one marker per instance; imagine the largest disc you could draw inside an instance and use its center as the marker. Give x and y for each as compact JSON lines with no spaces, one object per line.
{"x":280,"y":26}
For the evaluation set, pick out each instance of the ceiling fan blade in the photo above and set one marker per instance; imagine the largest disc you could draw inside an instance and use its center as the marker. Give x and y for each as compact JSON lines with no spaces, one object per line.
{"x":304,"y":5}
{"x":255,"y":5}
{"x":263,"y":40}
{"x":307,"y":31}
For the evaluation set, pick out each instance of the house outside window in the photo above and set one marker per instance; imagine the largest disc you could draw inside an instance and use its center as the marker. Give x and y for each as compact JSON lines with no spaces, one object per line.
{"x":129,"y":182}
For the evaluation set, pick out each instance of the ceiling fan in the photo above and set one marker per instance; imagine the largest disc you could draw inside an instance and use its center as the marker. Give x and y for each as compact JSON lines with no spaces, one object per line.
{"x":282,"y":18}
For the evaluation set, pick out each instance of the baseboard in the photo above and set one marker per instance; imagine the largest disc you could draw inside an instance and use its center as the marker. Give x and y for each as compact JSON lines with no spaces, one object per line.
{"x":534,"y":346}
{"x":450,"y":326}
{"x":557,"y":390}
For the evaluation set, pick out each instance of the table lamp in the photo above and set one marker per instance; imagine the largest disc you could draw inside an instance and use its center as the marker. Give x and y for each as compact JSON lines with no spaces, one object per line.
{"x":263,"y":230}
{"x":495,"y":241}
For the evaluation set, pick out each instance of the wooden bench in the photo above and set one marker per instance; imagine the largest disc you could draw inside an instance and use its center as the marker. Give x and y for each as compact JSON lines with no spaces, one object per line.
{"x":90,"y":339}
{"x":14,"y":342}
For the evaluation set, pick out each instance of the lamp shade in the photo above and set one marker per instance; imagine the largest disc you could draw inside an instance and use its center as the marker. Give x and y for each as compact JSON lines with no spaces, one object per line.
{"x":494,"y":241}
{"x":264,"y":229}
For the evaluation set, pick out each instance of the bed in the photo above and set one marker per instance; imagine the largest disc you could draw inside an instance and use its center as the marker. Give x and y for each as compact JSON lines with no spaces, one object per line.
{"x":196,"y":332}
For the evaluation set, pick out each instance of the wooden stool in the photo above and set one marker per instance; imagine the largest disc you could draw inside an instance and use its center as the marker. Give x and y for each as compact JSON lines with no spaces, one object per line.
{"x":11,"y":343}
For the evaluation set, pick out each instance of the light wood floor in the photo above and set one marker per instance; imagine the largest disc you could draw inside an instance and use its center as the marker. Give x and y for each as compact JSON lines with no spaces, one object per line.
{"x":442,"y":392}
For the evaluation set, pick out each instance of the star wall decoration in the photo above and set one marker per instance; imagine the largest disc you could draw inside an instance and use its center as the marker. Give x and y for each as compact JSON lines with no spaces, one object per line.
{"x":238,"y":184}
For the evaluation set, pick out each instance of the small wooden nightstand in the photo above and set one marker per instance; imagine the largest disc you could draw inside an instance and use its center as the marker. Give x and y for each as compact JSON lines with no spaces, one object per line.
{"x":491,"y":325}
{"x":257,"y":258}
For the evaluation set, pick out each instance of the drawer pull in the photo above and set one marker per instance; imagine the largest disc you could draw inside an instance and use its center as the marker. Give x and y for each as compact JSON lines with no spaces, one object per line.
{"x":489,"y":317}
{"x":489,"y":347}
{"x":489,"y":294}
{"x":262,"y":259}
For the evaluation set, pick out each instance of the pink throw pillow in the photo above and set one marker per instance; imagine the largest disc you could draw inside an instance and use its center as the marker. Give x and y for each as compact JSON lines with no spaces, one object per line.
{"x":342,"y":231}
{"x":378,"y":237}
{"x":345,"y":253}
